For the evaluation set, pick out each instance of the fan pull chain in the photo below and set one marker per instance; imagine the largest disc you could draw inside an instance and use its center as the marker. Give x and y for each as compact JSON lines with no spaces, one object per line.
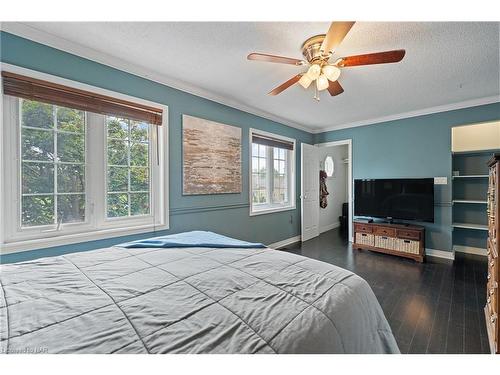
{"x":316,"y":93}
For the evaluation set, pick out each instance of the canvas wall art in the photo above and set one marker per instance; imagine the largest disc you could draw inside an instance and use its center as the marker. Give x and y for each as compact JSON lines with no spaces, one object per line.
{"x":211,"y":157}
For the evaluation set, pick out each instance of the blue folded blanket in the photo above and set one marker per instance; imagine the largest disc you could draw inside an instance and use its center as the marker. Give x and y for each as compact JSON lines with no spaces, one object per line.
{"x":195,"y":238}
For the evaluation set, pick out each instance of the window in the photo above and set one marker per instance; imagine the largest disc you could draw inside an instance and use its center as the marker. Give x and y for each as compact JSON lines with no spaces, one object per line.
{"x":128,"y":183}
{"x":52,"y":164}
{"x":73,"y":175}
{"x":272,"y":173}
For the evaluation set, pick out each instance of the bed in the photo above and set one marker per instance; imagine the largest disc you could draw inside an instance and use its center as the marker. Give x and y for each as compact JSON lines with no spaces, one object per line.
{"x":188,"y":296}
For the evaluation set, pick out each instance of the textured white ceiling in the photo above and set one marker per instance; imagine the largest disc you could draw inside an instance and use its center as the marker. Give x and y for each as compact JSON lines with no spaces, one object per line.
{"x":445,"y":63}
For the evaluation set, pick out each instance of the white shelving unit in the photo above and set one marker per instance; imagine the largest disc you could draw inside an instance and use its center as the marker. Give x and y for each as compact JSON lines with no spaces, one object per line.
{"x":472,"y":146}
{"x":469,"y":199}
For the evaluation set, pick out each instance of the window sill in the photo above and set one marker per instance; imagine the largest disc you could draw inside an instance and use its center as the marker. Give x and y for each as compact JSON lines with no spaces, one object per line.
{"x":68,"y":239}
{"x":270,"y":210}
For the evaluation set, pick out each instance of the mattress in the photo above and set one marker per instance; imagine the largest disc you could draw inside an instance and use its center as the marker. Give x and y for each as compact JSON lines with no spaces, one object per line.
{"x":188,"y":300}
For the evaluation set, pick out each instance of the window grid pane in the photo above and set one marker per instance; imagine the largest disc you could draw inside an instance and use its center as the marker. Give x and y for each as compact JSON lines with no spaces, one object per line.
{"x":128,"y":174}
{"x":45,"y":129}
{"x":280,"y":188}
{"x":259,"y":174}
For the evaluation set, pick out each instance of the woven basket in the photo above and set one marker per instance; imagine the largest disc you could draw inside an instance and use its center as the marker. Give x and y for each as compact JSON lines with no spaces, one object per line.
{"x":408,"y":246}
{"x":384,"y":242}
{"x":364,"y":239}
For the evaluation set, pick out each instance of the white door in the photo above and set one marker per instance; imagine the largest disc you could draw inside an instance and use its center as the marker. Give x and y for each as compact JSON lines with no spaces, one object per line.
{"x":309,"y":191}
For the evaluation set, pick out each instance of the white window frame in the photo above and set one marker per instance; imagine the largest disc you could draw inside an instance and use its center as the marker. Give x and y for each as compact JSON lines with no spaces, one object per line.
{"x":97,"y":226}
{"x":270,"y":207}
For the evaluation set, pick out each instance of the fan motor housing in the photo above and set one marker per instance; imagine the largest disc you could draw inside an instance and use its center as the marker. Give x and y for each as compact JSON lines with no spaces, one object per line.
{"x":311,"y":49}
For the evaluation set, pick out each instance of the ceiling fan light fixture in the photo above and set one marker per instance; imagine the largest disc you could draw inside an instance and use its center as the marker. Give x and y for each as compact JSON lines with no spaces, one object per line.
{"x":313,"y":72}
{"x":322,"y":82}
{"x":317,"y":51}
{"x":305,"y":81}
{"x":331,"y":72}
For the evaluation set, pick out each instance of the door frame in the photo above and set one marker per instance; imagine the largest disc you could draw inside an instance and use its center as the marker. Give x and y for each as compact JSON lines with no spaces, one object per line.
{"x":347,"y":142}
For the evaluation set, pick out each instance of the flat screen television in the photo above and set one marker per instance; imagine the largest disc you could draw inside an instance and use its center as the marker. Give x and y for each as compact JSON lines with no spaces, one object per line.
{"x":398,"y":198}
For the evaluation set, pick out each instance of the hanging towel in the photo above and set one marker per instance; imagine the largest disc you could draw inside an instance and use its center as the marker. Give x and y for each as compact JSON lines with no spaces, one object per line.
{"x":323,"y":192}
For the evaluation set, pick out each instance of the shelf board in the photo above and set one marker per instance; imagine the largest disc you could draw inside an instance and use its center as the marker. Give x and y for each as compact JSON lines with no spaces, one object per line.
{"x":470,"y":226}
{"x":469,"y":201}
{"x":471,"y":176}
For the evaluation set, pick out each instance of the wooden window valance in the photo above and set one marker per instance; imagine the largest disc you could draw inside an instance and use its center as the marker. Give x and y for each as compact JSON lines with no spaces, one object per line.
{"x":53,"y":93}
{"x":272,"y":142}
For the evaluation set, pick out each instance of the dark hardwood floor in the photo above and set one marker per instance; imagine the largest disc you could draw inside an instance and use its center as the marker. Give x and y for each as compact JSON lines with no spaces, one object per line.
{"x":434,"y":307}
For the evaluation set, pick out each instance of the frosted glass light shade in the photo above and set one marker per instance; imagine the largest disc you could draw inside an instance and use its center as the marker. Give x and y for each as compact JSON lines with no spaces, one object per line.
{"x":314,"y":71}
{"x":331,"y":72}
{"x":305,"y":81}
{"x":322,"y":82}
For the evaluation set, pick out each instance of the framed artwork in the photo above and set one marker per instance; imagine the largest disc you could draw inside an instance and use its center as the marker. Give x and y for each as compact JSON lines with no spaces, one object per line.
{"x":211,"y":157}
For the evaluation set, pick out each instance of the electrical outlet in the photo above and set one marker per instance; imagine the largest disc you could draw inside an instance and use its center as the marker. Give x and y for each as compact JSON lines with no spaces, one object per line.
{"x":440,"y":180}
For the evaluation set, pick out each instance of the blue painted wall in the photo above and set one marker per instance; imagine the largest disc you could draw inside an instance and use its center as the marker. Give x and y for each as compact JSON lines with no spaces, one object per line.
{"x":226,"y":214}
{"x":413,"y":147}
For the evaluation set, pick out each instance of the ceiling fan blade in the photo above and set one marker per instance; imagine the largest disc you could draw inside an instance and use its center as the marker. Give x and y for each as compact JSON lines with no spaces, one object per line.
{"x":274,"y":59}
{"x":372,"y":58}
{"x":334,"y":88}
{"x":335,"y":35}
{"x":285,"y":85}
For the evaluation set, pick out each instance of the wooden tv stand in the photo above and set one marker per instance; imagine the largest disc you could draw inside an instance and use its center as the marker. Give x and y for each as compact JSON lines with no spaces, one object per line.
{"x":396,"y":239}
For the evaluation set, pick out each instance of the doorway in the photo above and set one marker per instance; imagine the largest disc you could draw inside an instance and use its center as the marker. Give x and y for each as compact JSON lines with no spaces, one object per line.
{"x":335,"y":160}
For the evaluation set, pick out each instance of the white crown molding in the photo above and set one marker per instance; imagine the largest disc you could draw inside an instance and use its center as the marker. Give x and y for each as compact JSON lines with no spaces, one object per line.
{"x":39,"y":36}
{"x":416,"y":113}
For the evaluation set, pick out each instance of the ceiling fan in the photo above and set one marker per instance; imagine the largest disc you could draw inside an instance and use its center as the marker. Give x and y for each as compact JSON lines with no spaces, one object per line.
{"x":318,"y":51}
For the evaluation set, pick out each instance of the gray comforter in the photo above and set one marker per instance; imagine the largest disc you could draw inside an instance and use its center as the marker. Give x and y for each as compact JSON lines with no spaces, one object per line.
{"x":188,"y":300}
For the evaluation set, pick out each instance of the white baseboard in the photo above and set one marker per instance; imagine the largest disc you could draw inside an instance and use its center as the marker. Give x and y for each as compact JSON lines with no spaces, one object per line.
{"x":326,"y":228}
{"x":288,"y":241}
{"x":440,"y":254}
{"x":470,"y":250}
